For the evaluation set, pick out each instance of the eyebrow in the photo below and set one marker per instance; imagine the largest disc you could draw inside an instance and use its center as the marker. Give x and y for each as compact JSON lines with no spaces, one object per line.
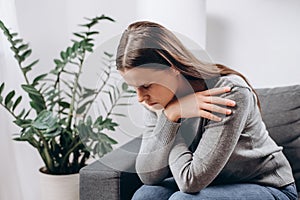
{"x":138,"y":85}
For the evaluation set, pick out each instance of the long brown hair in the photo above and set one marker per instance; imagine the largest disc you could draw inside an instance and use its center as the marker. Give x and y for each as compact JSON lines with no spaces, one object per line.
{"x":148,"y":44}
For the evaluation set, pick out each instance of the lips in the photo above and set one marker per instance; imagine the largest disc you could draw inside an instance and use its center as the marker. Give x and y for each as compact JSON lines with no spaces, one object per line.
{"x":150,"y":104}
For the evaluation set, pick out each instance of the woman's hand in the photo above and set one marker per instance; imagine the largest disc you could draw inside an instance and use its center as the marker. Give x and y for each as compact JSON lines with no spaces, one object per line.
{"x":200,"y":104}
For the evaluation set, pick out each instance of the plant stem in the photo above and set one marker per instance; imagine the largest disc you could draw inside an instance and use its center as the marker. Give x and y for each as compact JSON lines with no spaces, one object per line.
{"x":70,"y":115}
{"x":66,"y":156}
{"x":46,"y":151}
{"x":113,"y":106}
{"x":98,"y":92}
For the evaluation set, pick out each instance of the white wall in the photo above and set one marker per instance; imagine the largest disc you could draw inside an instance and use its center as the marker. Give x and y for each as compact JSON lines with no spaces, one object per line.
{"x":258,"y":38}
{"x":48,"y":26}
{"x":191,"y":25}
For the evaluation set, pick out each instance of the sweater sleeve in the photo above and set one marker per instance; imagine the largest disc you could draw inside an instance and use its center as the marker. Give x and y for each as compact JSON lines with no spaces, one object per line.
{"x":158,"y":138}
{"x":195,"y":171}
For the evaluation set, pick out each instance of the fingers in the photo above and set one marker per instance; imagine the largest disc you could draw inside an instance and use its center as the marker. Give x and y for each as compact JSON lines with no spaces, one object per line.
{"x":216,"y":91}
{"x":205,"y":104}
{"x":210,"y":116}
{"x":219,"y":100}
{"x":208,"y":96}
{"x":215,"y":108}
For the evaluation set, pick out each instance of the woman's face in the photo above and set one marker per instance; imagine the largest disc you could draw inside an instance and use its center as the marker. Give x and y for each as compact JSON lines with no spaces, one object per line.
{"x":154,"y":88}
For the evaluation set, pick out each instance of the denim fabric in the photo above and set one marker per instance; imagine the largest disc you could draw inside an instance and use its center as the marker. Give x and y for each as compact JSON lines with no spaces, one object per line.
{"x":243,"y":191}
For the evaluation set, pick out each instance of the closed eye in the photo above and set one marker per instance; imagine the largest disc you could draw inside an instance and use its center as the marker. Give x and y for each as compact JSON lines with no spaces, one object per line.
{"x":146,"y":86}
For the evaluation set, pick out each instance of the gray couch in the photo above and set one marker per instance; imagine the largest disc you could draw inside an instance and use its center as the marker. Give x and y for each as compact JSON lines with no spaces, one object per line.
{"x":113,"y":177}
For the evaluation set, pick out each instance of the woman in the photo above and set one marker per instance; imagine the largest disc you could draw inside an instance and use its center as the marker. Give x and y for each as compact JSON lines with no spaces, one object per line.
{"x":204,"y":136}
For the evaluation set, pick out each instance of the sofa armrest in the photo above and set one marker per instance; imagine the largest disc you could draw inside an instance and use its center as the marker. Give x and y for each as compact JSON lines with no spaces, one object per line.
{"x":112,"y":177}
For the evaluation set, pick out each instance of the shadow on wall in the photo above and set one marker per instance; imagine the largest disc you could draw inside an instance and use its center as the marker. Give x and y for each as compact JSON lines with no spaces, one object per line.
{"x":216,"y":26}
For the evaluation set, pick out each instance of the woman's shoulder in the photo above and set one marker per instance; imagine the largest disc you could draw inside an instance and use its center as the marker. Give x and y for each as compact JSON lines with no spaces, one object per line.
{"x":231,"y":80}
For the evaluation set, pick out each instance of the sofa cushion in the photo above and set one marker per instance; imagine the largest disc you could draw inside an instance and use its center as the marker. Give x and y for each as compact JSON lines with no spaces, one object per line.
{"x":280,"y":107}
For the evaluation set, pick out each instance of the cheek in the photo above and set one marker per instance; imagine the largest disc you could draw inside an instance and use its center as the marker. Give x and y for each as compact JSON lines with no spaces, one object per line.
{"x":165,"y":95}
{"x":171,"y":84}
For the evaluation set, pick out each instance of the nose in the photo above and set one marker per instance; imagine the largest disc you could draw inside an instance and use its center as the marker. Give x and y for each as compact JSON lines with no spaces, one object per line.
{"x":141,"y":95}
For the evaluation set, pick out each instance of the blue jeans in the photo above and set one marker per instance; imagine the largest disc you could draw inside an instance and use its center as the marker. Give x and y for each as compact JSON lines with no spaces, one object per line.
{"x":241,"y":191}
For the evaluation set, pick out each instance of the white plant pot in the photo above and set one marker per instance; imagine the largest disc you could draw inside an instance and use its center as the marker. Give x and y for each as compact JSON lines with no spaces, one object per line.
{"x":59,"y":187}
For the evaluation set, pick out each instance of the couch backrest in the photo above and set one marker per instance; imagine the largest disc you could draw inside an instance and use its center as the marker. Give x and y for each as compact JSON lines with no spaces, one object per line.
{"x":280,"y":107}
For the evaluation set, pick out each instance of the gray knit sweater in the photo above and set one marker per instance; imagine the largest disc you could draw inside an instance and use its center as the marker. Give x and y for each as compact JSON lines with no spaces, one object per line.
{"x":200,"y":152}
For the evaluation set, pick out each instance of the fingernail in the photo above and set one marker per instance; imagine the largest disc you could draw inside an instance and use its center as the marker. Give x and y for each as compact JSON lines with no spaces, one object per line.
{"x":228,"y":112}
{"x":232,"y":103}
{"x":228,"y":89}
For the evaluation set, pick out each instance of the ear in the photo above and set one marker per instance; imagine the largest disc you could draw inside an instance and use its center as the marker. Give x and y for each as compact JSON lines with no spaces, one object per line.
{"x":175,"y":71}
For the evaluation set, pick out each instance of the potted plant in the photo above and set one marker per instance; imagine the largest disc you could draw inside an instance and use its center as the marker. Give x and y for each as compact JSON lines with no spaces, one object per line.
{"x":57,"y":122}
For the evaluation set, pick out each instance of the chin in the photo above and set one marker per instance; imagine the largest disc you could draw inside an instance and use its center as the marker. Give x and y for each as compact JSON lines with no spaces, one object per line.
{"x":157,"y":107}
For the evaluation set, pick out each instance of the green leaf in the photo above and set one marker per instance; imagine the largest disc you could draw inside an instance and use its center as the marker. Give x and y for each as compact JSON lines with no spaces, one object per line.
{"x":44,"y":120}
{"x":14,"y":34}
{"x":123,"y":104}
{"x":88,"y":93}
{"x":58,"y":62}
{"x":18,"y":58}
{"x":106,"y":124}
{"x":26,"y":54}
{"x":17,"y":102}
{"x":14,"y":49}
{"x":89,"y":40}
{"x":26,"y":115}
{"x":102,"y":17}
{"x":124,"y":86}
{"x":23,"y":47}
{"x":64,"y":104}
{"x":92,"y":33}
{"x":33,"y":63}
{"x":30,"y":90}
{"x":38,"y":78}
{"x":63,"y":55}
{"x":36,"y":106}
{"x":66,"y":139}
{"x":107,"y":139}
{"x":14,"y":42}
{"x":89,"y":49}
{"x":79,"y":35}
{"x":51,"y":134}
{"x":118,"y":114}
{"x":9,"y":97}
{"x":29,"y":137}
{"x":19,"y":139}
{"x":69,"y":51}
{"x":21,"y":113}
{"x":2,"y":87}
{"x":108,"y":54}
{"x":98,"y":121}
{"x":23,"y":123}
{"x":82,"y":108}
{"x":76,"y":46}
{"x":89,"y":121}
{"x":96,"y":149}
{"x":96,"y":19}
{"x":26,"y":69}
{"x":38,"y":103}
{"x":9,"y":105}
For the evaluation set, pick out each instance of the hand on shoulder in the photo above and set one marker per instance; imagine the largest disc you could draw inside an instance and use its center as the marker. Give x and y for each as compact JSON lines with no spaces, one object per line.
{"x":200,"y":104}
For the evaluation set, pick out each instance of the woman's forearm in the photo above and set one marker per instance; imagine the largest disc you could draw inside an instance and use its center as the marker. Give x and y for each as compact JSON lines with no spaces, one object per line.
{"x":195,"y":171}
{"x":152,"y":161}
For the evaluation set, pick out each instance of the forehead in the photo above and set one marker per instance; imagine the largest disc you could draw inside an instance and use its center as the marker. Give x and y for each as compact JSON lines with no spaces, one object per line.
{"x":139,"y":76}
